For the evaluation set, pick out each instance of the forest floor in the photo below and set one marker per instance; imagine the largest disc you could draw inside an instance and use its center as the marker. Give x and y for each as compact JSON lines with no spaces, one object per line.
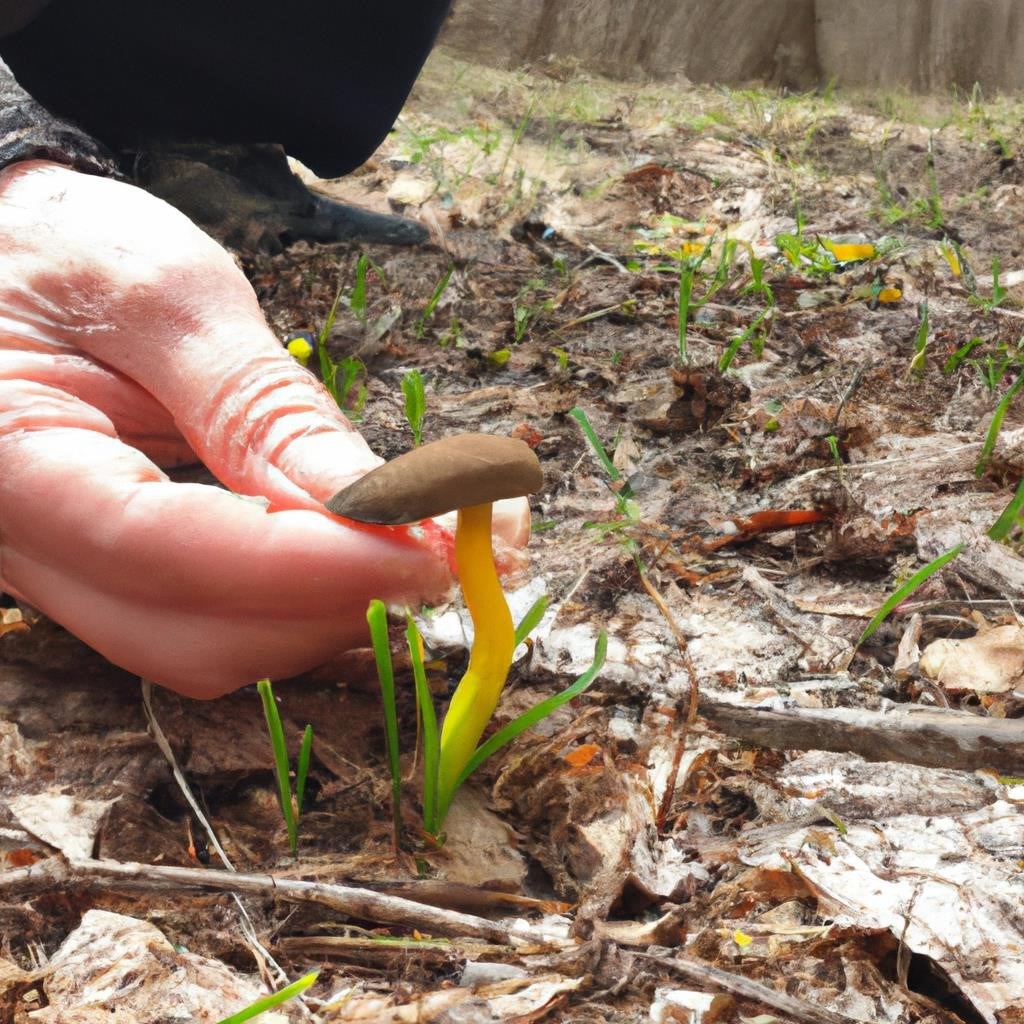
{"x":751,"y":814}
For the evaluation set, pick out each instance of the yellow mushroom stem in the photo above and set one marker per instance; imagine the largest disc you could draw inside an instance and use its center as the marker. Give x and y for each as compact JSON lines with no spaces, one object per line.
{"x":490,"y":658}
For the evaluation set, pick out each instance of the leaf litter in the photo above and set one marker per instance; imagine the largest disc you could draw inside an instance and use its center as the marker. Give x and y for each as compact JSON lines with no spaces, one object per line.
{"x":627,"y":860}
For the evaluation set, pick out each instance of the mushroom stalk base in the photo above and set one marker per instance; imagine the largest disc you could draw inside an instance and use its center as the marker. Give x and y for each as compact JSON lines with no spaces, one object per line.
{"x":490,"y":659}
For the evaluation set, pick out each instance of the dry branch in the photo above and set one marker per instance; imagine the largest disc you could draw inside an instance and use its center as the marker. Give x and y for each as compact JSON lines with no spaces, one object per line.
{"x":364,"y":904}
{"x":933,"y":738}
{"x":743,"y":988}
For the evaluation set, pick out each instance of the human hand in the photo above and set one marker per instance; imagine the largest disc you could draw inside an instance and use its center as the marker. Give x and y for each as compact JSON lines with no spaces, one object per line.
{"x":130,"y":338}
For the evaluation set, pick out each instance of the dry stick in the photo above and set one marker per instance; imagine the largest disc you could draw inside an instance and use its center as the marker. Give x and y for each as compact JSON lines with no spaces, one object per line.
{"x":261,"y":954}
{"x":353,"y":902}
{"x":165,"y":748}
{"x":744,"y":988}
{"x":928,"y":737}
{"x":691,"y":710}
{"x":861,"y":467}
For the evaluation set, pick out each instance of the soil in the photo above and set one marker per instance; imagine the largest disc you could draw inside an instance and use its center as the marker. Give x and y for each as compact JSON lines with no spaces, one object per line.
{"x":563,"y":209}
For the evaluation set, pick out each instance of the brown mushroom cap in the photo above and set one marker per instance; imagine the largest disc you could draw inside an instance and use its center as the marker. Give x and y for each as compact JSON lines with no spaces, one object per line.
{"x":467,"y":469}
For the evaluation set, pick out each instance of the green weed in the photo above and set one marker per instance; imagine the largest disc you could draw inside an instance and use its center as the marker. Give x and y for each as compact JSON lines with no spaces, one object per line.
{"x":437,"y":797}
{"x":269,"y":1002}
{"x":960,"y":355}
{"x":420,"y":326}
{"x":757,"y":284}
{"x":290,"y":810}
{"x":1010,"y":518}
{"x":526,"y":314}
{"x":996,"y":424}
{"x":345,"y":381}
{"x":999,"y":293}
{"x":902,"y":593}
{"x":920,"y":341}
{"x":415,"y":404}
{"x":619,"y":487}
{"x":752,"y":334}
{"x":377,"y":619}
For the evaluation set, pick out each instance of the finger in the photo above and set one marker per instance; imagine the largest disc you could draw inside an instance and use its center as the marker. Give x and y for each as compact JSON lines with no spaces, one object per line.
{"x":179,"y":318}
{"x":186,"y":584}
{"x":141,"y":289}
{"x":134,"y":415}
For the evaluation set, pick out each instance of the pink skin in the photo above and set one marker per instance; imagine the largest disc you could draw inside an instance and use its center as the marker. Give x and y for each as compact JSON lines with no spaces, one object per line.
{"x":127,"y":335}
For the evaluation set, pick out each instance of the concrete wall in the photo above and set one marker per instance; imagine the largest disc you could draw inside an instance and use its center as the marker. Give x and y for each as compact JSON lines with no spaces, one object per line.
{"x":925,"y":45}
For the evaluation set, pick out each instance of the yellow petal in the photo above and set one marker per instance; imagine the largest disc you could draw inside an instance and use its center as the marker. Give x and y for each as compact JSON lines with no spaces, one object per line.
{"x":849,"y":252}
{"x":742,"y":939}
{"x":301,"y":349}
{"x":890,"y":294}
{"x":951,"y":258}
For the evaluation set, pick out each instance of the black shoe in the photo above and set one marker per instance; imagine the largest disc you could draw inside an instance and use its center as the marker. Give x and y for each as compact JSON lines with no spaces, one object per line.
{"x":247,"y":197}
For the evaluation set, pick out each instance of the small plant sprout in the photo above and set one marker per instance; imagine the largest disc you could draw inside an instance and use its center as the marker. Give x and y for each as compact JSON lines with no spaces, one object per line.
{"x":619,"y":487}
{"x":428,"y":310}
{"x":377,"y":620}
{"x":689,"y":267}
{"x":996,"y":425}
{"x":901,"y":593}
{"x":1010,"y":518}
{"x":999,"y":293}
{"x":525,"y":314}
{"x":833,"y":446}
{"x":921,"y":341}
{"x":291,"y":808}
{"x":751,"y":334}
{"x":275,"y":999}
{"x":341,"y":379}
{"x":466,"y":473}
{"x":356,"y":300}
{"x":757,"y":284}
{"x":415,"y":404}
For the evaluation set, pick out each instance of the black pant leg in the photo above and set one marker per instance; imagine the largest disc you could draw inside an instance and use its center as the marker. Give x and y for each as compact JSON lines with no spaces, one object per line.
{"x":324,"y":78}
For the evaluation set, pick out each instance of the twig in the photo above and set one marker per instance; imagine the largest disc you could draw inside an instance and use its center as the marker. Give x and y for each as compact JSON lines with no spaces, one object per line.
{"x":928,"y":737}
{"x":57,"y":873}
{"x":691,"y":709}
{"x":744,"y":988}
{"x":855,"y":383}
{"x":860,"y":467}
{"x":602,"y":256}
{"x":165,"y":748}
{"x":263,"y":957}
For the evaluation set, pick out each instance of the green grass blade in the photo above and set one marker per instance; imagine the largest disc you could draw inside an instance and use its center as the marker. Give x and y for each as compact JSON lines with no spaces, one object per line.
{"x":961,"y":354}
{"x":415,"y":404}
{"x":276,"y":999}
{"x":588,"y":432}
{"x":280,"y":748}
{"x":435,"y":298}
{"x":997,"y":422}
{"x":738,"y":342}
{"x":533,"y":716}
{"x":1010,"y":515}
{"x":921,"y":340}
{"x":346,"y":376}
{"x":357,"y":300}
{"x":431,"y":737}
{"x":908,"y":588}
{"x":377,"y":618}
{"x":531,"y":619}
{"x":328,"y":368}
{"x":686,"y":275}
{"x":302,"y":767}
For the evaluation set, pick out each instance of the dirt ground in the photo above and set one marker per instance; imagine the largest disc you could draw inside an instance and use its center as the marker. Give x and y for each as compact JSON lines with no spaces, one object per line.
{"x":837,"y":834}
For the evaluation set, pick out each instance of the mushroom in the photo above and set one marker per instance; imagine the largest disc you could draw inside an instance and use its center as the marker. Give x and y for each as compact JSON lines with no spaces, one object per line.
{"x":467,"y":473}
